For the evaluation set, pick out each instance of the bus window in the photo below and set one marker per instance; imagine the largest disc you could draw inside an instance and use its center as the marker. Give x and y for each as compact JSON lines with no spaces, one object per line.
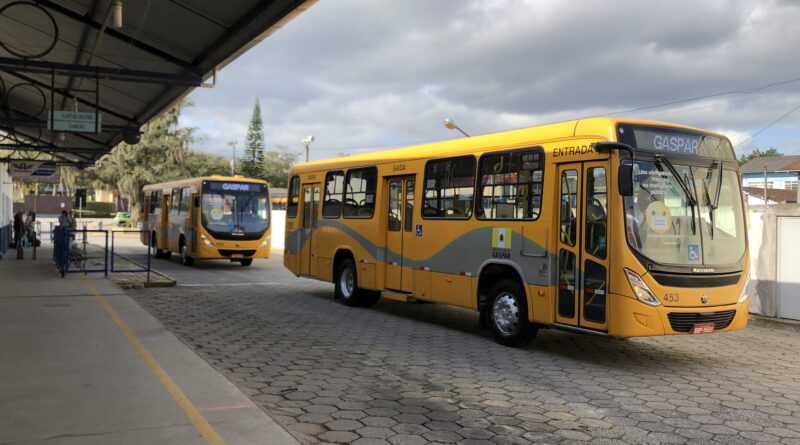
{"x":359,"y":201}
{"x":293,"y":198}
{"x":511,"y":185}
{"x":596,"y":212}
{"x":155,"y":201}
{"x":334,"y":187}
{"x":449,"y":186}
{"x":185,"y":198}
{"x":395,"y":205}
{"x":569,"y":207}
{"x":409,"y":223}
{"x":174,"y":201}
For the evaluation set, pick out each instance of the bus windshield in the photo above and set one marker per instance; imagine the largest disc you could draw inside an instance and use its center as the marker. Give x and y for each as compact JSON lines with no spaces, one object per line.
{"x":669,"y":227}
{"x":235,"y":208}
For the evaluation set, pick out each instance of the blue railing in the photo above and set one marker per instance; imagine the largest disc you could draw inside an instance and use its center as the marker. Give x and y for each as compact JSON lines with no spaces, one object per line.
{"x":149,"y":253}
{"x":68,"y":255}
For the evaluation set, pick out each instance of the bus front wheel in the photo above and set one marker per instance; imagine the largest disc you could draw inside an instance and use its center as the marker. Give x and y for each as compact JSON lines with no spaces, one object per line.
{"x":246,"y":261}
{"x":186,"y":260}
{"x":508,"y":314}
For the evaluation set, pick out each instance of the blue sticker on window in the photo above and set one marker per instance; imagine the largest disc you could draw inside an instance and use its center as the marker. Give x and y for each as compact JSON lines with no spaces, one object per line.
{"x":694,"y":252}
{"x":419,"y":229}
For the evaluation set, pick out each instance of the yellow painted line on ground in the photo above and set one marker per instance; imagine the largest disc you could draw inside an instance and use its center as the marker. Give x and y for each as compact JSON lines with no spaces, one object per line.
{"x":200,"y":423}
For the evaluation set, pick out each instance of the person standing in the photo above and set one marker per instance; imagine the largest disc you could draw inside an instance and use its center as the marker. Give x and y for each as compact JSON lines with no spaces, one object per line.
{"x":19,"y":226}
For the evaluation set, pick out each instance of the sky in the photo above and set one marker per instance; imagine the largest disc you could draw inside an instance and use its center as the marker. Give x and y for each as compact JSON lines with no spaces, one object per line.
{"x":365,"y":75}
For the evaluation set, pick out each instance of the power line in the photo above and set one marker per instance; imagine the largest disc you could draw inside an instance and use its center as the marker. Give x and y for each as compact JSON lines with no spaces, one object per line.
{"x":769,"y":125}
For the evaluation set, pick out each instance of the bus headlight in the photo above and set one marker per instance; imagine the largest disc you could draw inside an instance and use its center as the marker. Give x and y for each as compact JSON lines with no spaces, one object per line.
{"x":745,"y":291}
{"x":206,"y":241}
{"x":640,"y":289}
{"x":265,"y":242}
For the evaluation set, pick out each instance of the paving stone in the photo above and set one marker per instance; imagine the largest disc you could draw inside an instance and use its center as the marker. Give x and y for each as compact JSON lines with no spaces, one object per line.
{"x":328,"y":371}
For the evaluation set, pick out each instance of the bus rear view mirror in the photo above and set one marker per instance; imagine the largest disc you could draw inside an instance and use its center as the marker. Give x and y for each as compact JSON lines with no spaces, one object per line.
{"x":625,"y":179}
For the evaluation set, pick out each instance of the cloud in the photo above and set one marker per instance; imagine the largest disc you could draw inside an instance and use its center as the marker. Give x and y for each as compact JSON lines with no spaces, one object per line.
{"x":365,"y":75}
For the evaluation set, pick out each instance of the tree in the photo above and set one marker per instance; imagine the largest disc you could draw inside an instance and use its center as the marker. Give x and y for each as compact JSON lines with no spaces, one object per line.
{"x":276,"y":165}
{"x":759,"y":154}
{"x":253,"y":159}
{"x":162,"y":150}
{"x":204,"y":164}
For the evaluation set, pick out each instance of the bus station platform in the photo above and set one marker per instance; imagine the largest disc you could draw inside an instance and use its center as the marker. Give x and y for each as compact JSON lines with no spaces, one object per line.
{"x":82,"y":363}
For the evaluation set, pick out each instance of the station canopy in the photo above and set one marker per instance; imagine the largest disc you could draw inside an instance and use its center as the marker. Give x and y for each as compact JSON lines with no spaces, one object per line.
{"x":77,"y":77}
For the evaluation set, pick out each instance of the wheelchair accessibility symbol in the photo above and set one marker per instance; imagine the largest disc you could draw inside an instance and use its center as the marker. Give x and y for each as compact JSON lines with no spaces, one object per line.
{"x":694,"y":252}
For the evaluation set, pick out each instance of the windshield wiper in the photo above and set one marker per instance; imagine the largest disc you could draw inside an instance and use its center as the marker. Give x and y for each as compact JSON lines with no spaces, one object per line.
{"x":685,"y":188}
{"x":712,"y":205}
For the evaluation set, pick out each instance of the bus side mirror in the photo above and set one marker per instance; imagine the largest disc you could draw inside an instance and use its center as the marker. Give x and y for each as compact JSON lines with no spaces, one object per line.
{"x":625,"y":179}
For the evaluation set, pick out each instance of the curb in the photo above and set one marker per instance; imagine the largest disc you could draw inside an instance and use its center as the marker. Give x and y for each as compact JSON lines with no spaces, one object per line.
{"x":774,"y":323}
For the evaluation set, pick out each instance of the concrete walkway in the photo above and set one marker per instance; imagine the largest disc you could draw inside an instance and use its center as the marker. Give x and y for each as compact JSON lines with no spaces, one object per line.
{"x":82,"y":363}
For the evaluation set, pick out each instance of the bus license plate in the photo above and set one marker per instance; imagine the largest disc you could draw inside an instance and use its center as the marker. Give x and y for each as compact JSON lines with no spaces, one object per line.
{"x":704,"y":328}
{"x":239,"y":255}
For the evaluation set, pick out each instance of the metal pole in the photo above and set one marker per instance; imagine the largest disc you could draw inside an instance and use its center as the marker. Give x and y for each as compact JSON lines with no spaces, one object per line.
{"x":307,"y":143}
{"x":765,"y":185}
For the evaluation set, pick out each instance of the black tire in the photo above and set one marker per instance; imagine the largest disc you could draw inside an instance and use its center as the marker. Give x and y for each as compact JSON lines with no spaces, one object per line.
{"x":186,"y":260}
{"x":246,"y":262}
{"x":346,"y":285}
{"x":508,"y":314}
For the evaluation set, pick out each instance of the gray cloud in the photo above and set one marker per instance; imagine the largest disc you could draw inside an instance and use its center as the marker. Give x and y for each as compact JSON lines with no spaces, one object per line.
{"x":363,"y":75}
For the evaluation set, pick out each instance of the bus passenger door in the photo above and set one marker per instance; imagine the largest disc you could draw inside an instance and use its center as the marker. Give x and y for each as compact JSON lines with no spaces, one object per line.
{"x":311,"y":198}
{"x":163,"y":224}
{"x":582,"y":245}
{"x":400,"y":233}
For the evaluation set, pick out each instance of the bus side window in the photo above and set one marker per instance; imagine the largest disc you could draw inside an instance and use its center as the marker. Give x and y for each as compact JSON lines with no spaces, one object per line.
{"x":334,"y":186}
{"x":174,"y":202}
{"x":359,"y":198}
{"x":186,"y":193}
{"x":293,"y":200}
{"x":448,"y":189}
{"x":511,"y":185}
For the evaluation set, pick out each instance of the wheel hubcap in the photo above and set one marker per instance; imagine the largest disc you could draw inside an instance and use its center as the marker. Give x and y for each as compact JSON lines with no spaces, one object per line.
{"x":347,"y":282}
{"x":505,"y":313}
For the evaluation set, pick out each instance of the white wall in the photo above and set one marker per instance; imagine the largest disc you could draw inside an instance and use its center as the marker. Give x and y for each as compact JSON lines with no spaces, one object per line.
{"x":6,"y":206}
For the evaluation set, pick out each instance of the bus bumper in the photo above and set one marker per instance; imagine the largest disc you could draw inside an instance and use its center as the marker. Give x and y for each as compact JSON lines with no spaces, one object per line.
{"x":629,"y":317}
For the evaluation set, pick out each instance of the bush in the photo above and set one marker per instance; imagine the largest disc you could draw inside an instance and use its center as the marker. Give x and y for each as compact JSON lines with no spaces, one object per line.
{"x":100,"y":209}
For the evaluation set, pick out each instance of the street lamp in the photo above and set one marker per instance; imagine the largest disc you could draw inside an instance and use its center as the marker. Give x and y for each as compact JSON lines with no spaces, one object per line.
{"x":307,"y":141}
{"x":452,"y":126}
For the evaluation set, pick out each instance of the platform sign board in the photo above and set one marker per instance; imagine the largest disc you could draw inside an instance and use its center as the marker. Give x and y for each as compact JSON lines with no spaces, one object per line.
{"x":35,"y":171}
{"x":77,"y":121}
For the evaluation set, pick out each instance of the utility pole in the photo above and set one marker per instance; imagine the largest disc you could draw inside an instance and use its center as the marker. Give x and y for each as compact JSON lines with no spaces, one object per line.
{"x":232,"y":144}
{"x":307,"y":141}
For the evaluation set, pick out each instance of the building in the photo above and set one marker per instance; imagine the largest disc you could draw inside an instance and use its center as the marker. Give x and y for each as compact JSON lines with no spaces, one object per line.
{"x":782,"y":175}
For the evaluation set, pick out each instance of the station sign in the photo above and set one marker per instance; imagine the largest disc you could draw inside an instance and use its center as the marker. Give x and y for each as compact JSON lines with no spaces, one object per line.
{"x":35,"y":171}
{"x":75,"y":121}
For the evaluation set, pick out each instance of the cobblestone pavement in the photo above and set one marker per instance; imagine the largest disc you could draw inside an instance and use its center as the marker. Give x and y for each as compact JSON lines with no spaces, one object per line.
{"x":422,"y":373}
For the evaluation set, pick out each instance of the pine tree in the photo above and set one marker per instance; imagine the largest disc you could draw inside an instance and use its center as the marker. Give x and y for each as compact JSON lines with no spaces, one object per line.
{"x":253,"y":160}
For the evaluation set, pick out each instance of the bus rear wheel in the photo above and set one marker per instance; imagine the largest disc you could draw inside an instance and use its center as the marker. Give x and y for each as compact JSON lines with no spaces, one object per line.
{"x":508,"y":314}
{"x":346,"y":286}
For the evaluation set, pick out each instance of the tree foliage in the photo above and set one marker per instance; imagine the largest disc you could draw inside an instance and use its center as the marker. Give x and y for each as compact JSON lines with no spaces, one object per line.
{"x":276,"y":165}
{"x":772,"y":151}
{"x":253,"y":159}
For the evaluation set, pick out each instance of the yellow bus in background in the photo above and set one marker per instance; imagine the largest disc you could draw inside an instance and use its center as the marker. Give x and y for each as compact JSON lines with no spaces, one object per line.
{"x":214,"y":217}
{"x":607,"y":226}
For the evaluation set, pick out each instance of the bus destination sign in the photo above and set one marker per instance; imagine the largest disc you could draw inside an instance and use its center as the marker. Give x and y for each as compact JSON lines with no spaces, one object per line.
{"x":675,"y":142}
{"x":234,"y":187}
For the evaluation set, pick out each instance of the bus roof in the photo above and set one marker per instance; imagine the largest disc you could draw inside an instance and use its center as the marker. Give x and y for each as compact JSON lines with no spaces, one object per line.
{"x":200,"y":179}
{"x":597,"y":128}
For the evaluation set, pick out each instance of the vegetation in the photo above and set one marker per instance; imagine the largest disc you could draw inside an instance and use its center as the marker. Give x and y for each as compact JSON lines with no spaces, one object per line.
{"x":759,"y":154}
{"x":253,"y":160}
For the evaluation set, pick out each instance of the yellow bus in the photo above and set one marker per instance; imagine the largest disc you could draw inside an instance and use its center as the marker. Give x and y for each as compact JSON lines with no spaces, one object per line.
{"x":608,"y":226}
{"x":214,"y":217}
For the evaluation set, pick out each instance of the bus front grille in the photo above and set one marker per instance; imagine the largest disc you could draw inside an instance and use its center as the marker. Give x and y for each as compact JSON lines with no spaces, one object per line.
{"x":684,"y":321}
{"x":229,"y":252}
